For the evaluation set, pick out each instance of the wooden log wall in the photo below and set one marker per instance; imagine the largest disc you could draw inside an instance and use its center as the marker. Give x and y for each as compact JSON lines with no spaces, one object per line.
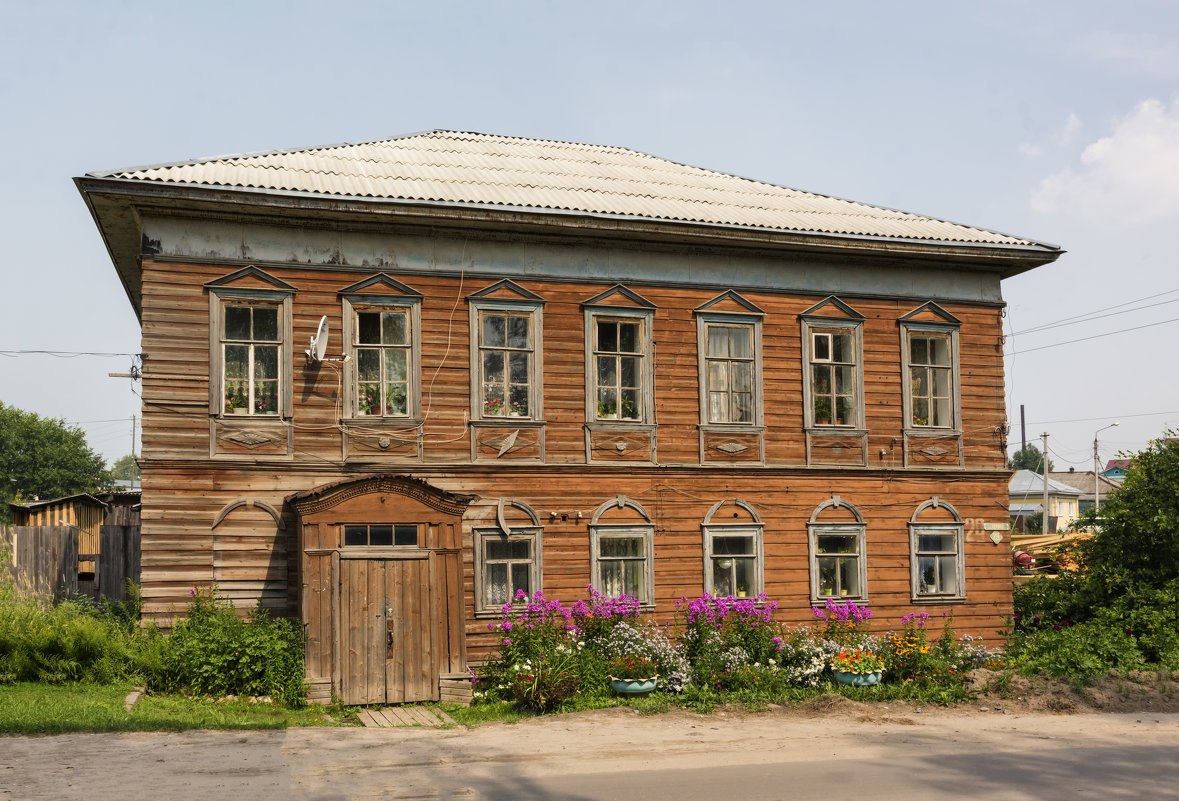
{"x":45,"y":560}
{"x":188,"y":481}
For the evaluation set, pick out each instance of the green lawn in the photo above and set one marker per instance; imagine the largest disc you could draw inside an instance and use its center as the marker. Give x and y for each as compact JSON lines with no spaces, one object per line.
{"x":32,"y":708}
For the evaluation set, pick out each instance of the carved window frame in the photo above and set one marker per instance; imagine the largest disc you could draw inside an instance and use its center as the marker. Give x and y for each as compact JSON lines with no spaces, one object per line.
{"x":755,"y":530}
{"x":356,"y":303}
{"x":816,"y":529}
{"x":223,"y":296}
{"x":955,"y":529}
{"x":533,"y":311}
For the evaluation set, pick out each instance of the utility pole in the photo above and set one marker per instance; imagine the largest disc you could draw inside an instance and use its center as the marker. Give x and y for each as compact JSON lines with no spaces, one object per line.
{"x":132,"y":436}
{"x":1023,"y":428}
{"x":1044,"y":467}
{"x":1097,"y":469}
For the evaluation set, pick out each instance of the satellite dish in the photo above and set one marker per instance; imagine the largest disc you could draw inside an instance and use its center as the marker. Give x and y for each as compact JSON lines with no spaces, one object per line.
{"x":319,"y":342}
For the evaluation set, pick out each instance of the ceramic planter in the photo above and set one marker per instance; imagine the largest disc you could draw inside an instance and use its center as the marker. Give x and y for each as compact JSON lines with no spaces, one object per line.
{"x":633,"y":686}
{"x":858,"y":679}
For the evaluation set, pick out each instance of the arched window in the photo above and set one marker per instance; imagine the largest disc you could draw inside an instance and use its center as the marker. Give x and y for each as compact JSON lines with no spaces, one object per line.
{"x":836,"y":537}
{"x":507,"y":556}
{"x":936,"y":558}
{"x":622,"y":550}
{"x":733,"y":561}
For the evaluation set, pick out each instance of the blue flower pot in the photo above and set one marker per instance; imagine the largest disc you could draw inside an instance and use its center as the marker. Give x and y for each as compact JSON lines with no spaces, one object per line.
{"x":858,"y":679}
{"x":633,"y":686}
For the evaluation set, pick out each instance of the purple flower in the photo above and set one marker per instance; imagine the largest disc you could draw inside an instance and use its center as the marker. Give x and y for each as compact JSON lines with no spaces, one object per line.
{"x":507,"y":641}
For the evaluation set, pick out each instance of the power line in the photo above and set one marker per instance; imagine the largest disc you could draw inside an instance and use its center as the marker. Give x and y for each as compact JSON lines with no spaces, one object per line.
{"x":1090,"y":319}
{"x":1098,"y":311}
{"x":61,"y":354}
{"x":1097,"y":419}
{"x":1095,"y":336}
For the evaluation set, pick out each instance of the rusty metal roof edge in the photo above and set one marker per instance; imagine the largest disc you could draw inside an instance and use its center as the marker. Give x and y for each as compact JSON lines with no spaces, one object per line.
{"x":1032,"y":248}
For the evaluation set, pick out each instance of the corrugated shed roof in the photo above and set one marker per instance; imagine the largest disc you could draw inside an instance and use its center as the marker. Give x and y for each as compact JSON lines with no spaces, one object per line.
{"x":470,"y":168}
{"x":1030,"y":483}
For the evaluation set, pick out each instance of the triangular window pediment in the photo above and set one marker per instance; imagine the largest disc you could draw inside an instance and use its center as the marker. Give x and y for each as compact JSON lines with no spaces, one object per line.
{"x":930,"y":313}
{"x":250,"y":278}
{"x":730,"y":302}
{"x":506,"y":290}
{"x":832,"y":307}
{"x":381,"y":284}
{"x":619,"y":296}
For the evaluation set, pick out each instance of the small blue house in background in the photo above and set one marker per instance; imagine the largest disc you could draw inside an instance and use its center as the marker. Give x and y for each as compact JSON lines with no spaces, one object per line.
{"x":1116,"y":469}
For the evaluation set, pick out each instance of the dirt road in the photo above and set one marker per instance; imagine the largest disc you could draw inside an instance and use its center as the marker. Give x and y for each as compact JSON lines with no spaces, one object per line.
{"x":881,"y":752}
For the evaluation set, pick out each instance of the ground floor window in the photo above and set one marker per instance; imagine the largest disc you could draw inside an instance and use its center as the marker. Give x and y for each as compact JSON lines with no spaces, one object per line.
{"x":837,"y":562}
{"x":405,"y":536}
{"x":506,"y":565}
{"x":622,"y":560}
{"x":937,"y":561}
{"x":733,"y":557}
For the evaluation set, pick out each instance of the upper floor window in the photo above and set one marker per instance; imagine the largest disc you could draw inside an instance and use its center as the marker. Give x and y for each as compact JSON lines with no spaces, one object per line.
{"x":507,"y":362}
{"x":250,"y":348}
{"x":250,"y":357}
{"x":383,"y":350}
{"x":931,"y":378}
{"x":833,"y":361}
{"x":382,"y":329}
{"x":618,"y":369}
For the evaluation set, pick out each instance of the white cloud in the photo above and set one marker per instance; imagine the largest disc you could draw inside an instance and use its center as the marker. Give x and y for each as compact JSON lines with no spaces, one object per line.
{"x":1128,"y":178}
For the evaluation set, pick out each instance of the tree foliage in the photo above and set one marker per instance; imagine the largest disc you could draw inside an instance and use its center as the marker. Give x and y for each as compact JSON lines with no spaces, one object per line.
{"x":125,"y":468}
{"x":43,"y":457}
{"x":1029,"y":458}
{"x":1136,"y":546}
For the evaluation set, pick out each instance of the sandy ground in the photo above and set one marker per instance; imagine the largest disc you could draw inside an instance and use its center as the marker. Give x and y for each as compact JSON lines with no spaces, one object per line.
{"x":1052,"y":735}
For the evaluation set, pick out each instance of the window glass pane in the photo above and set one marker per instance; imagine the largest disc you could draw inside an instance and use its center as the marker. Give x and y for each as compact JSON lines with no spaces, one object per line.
{"x":630,"y":405}
{"x":742,"y":407}
{"x":266,"y":397}
{"x":394,"y":328}
{"x":844,"y":380}
{"x":927,"y":573}
{"x":518,"y":332}
{"x":521,"y":578}
{"x":266,"y":324}
{"x":396,"y":368}
{"x":607,"y":403}
{"x":827,"y":576}
{"x":237,"y":361}
{"x":941,"y":383}
{"x":939,"y":350}
{"x":493,"y":367}
{"x":521,"y":549}
{"x":628,"y":371}
{"x":237,"y":395}
{"x":920,"y":412}
{"x":368,"y":328}
{"x":718,"y":407}
{"x":628,"y":337}
{"x":368,"y":399}
{"x":743,"y":577}
{"x":948,"y":568}
{"x":742,"y":376}
{"x":380,"y":535}
{"x":849,"y":576}
{"x":821,"y":379}
{"x":918,"y":350}
{"x":518,"y":401}
{"x":634,"y":579}
{"x":821,"y":347}
{"x":718,"y":341}
{"x":732,"y":545}
{"x":493,"y":400}
{"x":518,"y":368}
{"x":368,"y":364}
{"x":497,"y":548}
{"x":937,"y":542}
{"x":405,"y":535}
{"x":607,"y":336}
{"x":237,"y":322}
{"x":356,"y":535}
{"x":722,"y":576}
{"x":606,"y":371}
{"x":844,"y":409}
{"x":265,"y":361}
{"x":842,"y":347}
{"x":621,"y":546}
{"x":396,"y":399}
{"x":740,"y":343}
{"x":496,"y":590}
{"x":611,"y":578}
{"x":941,"y":412}
{"x":718,"y":376}
{"x":919,"y":381}
{"x":837,"y":543}
{"x":493,"y":331}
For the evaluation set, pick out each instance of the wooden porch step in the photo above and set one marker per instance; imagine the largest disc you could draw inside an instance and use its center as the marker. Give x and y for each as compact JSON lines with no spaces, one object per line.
{"x":394,"y":716}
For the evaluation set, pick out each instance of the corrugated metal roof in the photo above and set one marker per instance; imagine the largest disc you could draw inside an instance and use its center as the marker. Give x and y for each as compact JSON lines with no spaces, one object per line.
{"x":1031,"y":483}
{"x":485,"y":170}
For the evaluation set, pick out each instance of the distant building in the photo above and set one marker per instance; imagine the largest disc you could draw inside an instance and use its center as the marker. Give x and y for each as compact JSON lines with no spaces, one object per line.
{"x":1083,"y":481}
{"x":1026,"y":498}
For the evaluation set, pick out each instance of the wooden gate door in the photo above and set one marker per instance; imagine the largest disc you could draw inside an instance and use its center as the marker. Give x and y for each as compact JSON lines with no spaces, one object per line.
{"x":387,"y":630}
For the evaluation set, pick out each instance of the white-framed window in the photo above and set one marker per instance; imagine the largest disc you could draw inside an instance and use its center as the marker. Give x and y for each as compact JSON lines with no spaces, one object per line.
{"x":622,"y":561}
{"x":834,"y":376}
{"x":730,"y":369}
{"x":619,"y":366}
{"x":936,"y":554}
{"x":506,"y":564}
{"x":382,"y":335}
{"x":250,"y":351}
{"x":929,"y":354}
{"x":733,"y":560}
{"x":937,"y":559}
{"x":838,"y":564}
{"x":506,"y":360}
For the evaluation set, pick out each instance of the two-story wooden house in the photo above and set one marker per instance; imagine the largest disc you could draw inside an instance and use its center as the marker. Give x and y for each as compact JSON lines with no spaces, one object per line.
{"x":550,"y":365}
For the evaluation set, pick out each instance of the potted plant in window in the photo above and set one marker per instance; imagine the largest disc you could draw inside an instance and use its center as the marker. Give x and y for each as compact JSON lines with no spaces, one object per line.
{"x":236,"y":400}
{"x":823,"y":411}
{"x":843,"y":411}
{"x":856,"y":667}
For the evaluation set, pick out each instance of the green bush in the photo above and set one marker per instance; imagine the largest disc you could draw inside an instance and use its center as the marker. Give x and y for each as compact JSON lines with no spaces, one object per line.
{"x":62,"y":643}
{"x":1078,"y":651}
{"x":215,"y":652}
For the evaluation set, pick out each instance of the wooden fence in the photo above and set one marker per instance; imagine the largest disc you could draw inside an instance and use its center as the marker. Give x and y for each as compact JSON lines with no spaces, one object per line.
{"x":44,"y":560}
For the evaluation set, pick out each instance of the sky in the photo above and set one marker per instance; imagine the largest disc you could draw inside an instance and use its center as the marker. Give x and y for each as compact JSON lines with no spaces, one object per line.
{"x":1053,"y":120}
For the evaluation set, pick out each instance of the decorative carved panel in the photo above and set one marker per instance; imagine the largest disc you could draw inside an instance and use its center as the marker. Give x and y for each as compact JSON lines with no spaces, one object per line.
{"x":395,"y":444}
{"x":507,"y":443}
{"x":843,"y":450}
{"x":731,"y":446}
{"x":937,"y":450}
{"x":251,"y":437}
{"x":621,"y":445}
